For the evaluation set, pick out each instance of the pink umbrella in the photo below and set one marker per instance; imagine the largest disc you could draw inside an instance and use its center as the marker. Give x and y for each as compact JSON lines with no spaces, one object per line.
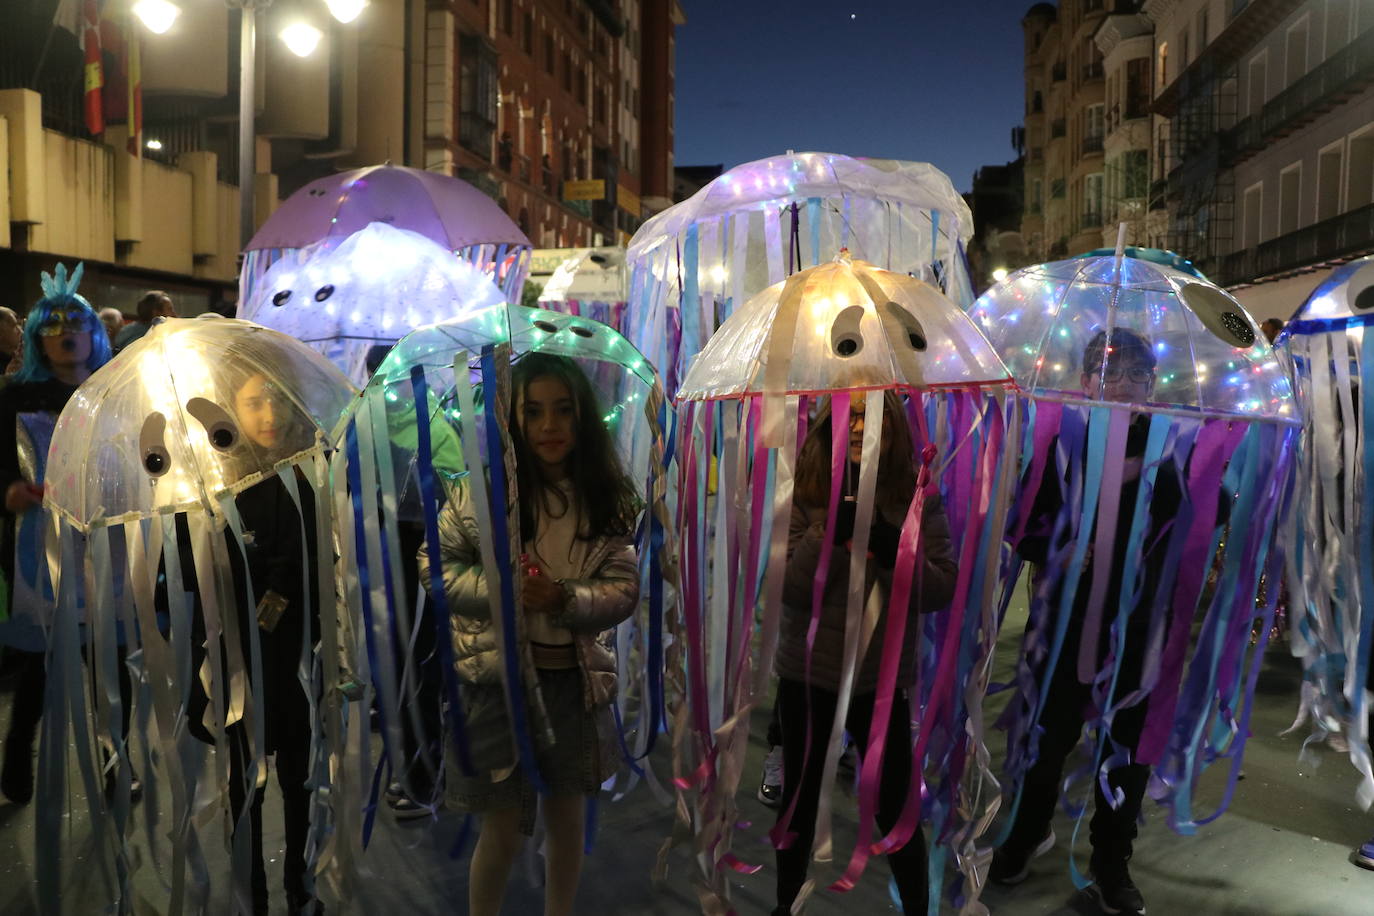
{"x":448,"y":210}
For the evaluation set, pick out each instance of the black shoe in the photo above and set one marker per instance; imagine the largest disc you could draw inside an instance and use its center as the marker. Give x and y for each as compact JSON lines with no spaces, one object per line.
{"x":16,"y":779}
{"x":1011,"y":866}
{"x":770,"y":786}
{"x":1115,"y":892}
{"x":112,"y":787}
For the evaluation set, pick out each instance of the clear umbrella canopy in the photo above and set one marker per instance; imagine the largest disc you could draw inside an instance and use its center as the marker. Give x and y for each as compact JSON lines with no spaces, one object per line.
{"x":192,"y":409}
{"x":859,"y":323}
{"x":1207,"y":352}
{"x":694,"y":263}
{"x":1331,"y":349}
{"x":448,"y":211}
{"x":375,"y":287}
{"x":434,"y":422}
{"x":779,"y":384}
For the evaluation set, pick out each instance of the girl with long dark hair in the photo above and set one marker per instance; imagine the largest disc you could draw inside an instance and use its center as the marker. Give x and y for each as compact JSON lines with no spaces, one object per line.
{"x":580,"y":578}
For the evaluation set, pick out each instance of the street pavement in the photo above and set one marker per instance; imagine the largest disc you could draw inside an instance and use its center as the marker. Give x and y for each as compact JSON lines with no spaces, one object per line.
{"x":1283,"y":848}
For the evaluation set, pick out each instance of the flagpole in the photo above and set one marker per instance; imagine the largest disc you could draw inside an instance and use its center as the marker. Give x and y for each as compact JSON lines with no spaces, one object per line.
{"x":247,"y":96}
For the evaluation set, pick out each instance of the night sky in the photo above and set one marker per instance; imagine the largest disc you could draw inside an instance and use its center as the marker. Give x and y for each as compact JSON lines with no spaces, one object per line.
{"x":936,"y":81}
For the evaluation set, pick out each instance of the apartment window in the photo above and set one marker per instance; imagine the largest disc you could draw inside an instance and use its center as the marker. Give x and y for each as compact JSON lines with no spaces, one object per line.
{"x":567,"y":72}
{"x":1359,"y":175}
{"x":1092,"y":200}
{"x":1135,"y":173}
{"x":1138,"y":88}
{"x":1037,"y":195}
{"x":1329,"y":180}
{"x":505,"y":16}
{"x":1258,"y":77}
{"x":1290,"y":190}
{"x":599,"y":107}
{"x":1295,"y":53}
{"x":1202,"y":29}
{"x":1337,"y":25}
{"x":477,"y":94}
{"x":1252,"y":214}
{"x":548,"y":53}
{"x":582,"y":85}
{"x":527,"y":32}
{"x":1183,"y":49}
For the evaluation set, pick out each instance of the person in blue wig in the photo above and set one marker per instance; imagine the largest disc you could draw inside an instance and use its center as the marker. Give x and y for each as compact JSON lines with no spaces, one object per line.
{"x":63,"y":343}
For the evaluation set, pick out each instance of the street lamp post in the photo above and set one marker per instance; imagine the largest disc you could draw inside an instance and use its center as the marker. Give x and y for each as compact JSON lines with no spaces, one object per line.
{"x":300,"y":37}
{"x":248,"y":165}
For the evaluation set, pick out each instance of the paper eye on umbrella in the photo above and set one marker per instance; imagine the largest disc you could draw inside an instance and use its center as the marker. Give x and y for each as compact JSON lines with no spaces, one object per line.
{"x":156,"y":461}
{"x":1220,"y":314}
{"x":220,"y":428}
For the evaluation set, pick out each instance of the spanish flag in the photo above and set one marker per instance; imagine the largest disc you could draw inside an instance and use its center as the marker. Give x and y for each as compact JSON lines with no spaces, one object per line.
{"x":90,"y":42}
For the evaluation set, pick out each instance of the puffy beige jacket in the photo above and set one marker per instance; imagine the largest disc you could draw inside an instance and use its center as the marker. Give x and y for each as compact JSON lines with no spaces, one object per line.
{"x":603,"y":594}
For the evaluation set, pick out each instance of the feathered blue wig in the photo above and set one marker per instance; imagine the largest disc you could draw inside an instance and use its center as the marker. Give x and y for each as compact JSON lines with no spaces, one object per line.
{"x":59,"y":292}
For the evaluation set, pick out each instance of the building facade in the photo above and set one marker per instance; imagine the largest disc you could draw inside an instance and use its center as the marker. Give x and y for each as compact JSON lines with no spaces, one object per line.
{"x":1066,"y":127}
{"x":154,"y":202}
{"x":1269,"y":140}
{"x":561,"y":109}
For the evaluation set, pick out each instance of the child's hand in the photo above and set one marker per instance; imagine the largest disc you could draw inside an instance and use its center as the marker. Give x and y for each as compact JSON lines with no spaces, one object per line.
{"x":543,"y":595}
{"x":22,"y":496}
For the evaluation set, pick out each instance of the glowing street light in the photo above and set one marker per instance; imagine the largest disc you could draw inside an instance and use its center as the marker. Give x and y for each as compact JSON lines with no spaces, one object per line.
{"x":156,"y":15}
{"x":345,"y":10}
{"x":301,"y":38}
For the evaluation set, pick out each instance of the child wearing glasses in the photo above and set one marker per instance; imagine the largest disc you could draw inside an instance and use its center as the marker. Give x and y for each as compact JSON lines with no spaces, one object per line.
{"x":1117,"y":367}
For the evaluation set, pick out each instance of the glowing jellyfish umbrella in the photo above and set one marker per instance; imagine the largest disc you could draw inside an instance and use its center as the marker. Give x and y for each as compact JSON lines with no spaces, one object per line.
{"x":1160,"y":440}
{"x":839,"y":333}
{"x":694,"y":263}
{"x":172,"y":430}
{"x":375,"y":287}
{"x":591,"y":283}
{"x":435,"y":417}
{"x":1332,"y":579}
{"x":448,"y":211}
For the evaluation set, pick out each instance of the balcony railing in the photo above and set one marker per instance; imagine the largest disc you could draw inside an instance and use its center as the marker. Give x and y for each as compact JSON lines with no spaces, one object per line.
{"x":475,"y":132}
{"x":1333,"y":81}
{"x":1346,"y":234}
{"x":1092,"y":144}
{"x":1058,"y":128}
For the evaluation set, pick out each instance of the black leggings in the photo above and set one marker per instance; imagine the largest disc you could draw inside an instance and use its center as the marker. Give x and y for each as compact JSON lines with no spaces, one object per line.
{"x":1112,"y":830}
{"x":293,"y":769}
{"x":795,"y":701}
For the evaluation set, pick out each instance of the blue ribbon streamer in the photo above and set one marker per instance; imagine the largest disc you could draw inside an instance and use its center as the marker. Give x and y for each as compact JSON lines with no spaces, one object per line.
{"x":429,"y":500}
{"x":501,"y":548}
{"x":355,"y":487}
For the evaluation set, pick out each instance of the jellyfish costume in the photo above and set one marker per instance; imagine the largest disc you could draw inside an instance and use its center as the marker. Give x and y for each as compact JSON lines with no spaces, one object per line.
{"x":591,"y":284}
{"x":848,"y":332}
{"x":448,"y":211}
{"x":1122,"y":605}
{"x":437,"y":411}
{"x":1331,"y":578}
{"x":362,"y":295}
{"x":146,"y":463}
{"x":693,"y":264}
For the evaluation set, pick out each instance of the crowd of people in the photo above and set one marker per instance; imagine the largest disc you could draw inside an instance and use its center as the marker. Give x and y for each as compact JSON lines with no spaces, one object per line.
{"x":579,"y":580}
